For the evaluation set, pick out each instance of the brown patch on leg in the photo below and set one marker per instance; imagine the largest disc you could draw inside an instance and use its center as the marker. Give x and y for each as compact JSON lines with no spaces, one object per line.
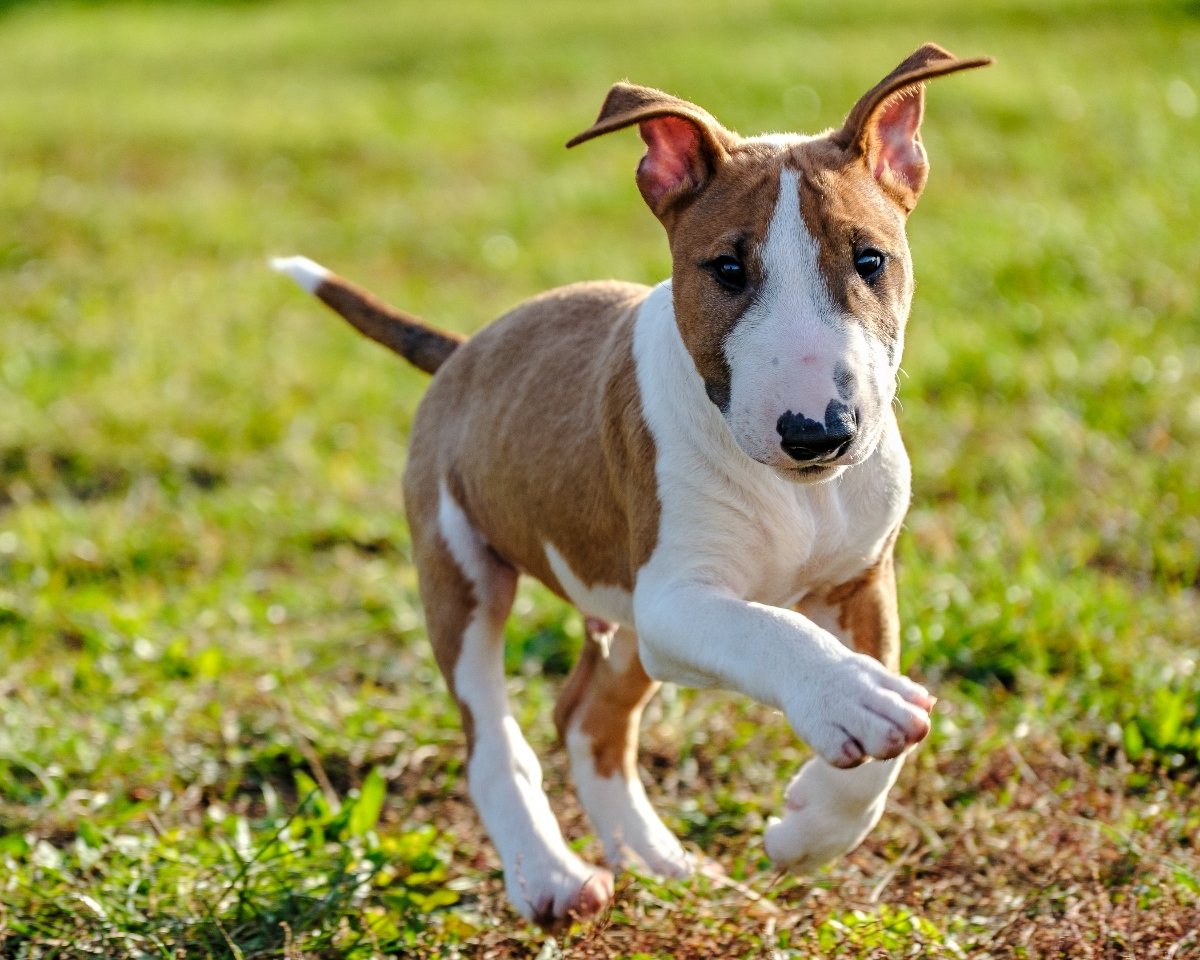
{"x":868,"y":619}
{"x":610,"y":707}
{"x":575,"y":688}
{"x":600,"y":636}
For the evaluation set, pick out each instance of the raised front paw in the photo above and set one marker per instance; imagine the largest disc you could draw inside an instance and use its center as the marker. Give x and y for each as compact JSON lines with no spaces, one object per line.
{"x":857,"y":708}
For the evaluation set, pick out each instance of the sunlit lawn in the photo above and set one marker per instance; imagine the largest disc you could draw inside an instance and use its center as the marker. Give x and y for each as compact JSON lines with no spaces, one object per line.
{"x":209,"y":630}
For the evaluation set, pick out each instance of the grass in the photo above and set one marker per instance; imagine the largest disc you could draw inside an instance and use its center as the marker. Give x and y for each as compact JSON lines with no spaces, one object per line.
{"x":221,"y":730}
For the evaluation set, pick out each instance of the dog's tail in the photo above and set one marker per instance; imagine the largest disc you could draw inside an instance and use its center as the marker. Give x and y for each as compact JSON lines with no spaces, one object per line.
{"x":423,"y":346}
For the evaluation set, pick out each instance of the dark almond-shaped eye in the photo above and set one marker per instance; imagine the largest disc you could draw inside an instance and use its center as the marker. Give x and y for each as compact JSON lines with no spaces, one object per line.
{"x":869,"y":263}
{"x":729,"y":273}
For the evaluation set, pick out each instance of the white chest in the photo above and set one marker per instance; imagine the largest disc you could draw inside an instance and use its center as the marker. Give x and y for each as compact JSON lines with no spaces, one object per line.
{"x":736,"y":524}
{"x":773,"y":542}
{"x":731,"y":522}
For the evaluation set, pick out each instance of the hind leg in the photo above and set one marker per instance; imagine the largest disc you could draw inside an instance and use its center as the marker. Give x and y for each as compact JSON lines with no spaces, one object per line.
{"x":829,"y":811}
{"x":598,"y":716}
{"x":467,"y":592}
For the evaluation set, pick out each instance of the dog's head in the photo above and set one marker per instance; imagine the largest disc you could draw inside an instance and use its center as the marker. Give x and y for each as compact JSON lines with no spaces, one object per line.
{"x":792,"y":279}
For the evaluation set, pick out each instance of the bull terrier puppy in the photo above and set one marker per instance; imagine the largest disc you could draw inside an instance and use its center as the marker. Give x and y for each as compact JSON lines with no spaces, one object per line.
{"x":710,"y":470}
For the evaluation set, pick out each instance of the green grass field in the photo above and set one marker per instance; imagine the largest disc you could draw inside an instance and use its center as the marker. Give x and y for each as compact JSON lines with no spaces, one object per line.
{"x":222,"y":733}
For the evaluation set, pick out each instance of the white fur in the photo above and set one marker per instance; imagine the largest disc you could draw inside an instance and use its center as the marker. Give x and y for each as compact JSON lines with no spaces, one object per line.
{"x":828,"y":812}
{"x":541,"y":875}
{"x":307,"y":273}
{"x":610,"y":603}
{"x":737,"y":543}
{"x":621,"y":812}
{"x":784,"y":351}
{"x":617,"y":805}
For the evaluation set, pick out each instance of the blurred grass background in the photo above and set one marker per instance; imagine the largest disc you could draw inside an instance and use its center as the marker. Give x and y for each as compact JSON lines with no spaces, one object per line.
{"x":204,"y":584}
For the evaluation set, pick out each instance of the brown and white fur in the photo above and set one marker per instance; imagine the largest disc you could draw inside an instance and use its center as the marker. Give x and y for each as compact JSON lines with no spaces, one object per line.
{"x":711,"y":473}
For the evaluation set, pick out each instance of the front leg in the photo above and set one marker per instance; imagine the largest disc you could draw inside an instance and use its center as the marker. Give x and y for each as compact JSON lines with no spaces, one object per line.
{"x":828,"y":812}
{"x":847,"y":706}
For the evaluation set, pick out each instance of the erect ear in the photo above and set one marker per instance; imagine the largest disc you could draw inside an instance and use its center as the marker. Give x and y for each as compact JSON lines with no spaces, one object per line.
{"x":884,"y":128}
{"x":684,"y":144}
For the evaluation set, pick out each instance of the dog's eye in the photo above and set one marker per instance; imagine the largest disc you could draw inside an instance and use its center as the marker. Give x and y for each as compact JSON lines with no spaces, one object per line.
{"x":729,"y":273}
{"x":869,"y":264}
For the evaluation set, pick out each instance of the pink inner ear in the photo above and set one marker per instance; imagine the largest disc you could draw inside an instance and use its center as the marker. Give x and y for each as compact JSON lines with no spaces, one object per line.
{"x":672,"y":156}
{"x":896,"y":125}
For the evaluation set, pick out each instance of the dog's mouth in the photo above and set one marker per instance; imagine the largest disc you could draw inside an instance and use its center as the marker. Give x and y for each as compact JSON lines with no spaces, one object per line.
{"x":812,"y":472}
{"x":816,"y":470}
{"x":827,"y":459}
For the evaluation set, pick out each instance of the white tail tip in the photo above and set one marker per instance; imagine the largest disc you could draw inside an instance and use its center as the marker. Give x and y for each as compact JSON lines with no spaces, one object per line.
{"x":305,"y":272}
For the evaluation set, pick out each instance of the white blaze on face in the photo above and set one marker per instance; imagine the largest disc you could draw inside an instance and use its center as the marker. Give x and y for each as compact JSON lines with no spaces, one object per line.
{"x":795,"y":350}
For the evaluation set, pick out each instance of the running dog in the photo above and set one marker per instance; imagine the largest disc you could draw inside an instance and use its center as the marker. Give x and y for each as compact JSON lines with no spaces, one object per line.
{"x":710,"y":470}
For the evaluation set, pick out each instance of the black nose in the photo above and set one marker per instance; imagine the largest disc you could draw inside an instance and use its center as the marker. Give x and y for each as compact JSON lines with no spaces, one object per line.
{"x":807,"y":440}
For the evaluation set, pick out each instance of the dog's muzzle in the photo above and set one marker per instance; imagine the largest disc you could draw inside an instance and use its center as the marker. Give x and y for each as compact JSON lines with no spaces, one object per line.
{"x":811,"y":441}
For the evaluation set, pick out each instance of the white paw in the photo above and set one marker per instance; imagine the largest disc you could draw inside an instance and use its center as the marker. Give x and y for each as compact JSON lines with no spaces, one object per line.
{"x":827,"y":813}
{"x":806,"y":839}
{"x":857,"y":709}
{"x":646,"y":837}
{"x":548,"y":888}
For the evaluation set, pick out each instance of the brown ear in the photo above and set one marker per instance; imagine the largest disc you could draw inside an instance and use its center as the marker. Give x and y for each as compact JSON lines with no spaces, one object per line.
{"x":884,"y":128}
{"x":684,"y":144}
